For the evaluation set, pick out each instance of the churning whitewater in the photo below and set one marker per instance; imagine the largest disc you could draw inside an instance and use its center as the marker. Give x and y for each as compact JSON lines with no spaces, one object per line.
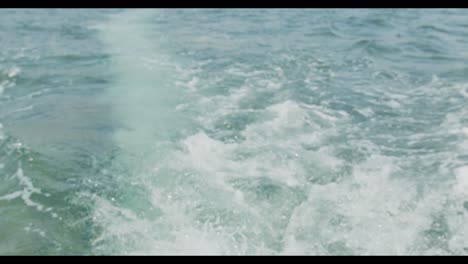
{"x":234,"y":132}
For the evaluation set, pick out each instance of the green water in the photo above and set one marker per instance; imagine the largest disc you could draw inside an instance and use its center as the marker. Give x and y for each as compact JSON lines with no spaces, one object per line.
{"x":234,"y":132}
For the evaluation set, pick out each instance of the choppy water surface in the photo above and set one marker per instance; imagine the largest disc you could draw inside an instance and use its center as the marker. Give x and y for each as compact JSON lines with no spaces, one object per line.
{"x":243,"y":131}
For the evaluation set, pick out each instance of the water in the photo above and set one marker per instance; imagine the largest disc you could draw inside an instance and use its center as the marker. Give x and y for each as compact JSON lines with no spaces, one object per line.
{"x":317,"y":132}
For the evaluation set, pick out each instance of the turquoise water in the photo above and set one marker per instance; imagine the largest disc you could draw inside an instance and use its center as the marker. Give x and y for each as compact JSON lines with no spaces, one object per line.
{"x":270,"y":132}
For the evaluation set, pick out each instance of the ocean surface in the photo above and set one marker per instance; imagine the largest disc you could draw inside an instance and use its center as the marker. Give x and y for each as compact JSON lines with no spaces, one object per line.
{"x":233,"y":132}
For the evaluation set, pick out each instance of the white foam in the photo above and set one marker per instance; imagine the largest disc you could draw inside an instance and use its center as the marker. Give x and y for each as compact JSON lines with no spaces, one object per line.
{"x":38,"y":93}
{"x":465,"y":131}
{"x":2,"y":135}
{"x":463,"y":89}
{"x":16,"y":145}
{"x":26,"y":193}
{"x":287,"y":115}
{"x":192,"y":84}
{"x":38,"y":231}
{"x":205,"y":153}
{"x":457,"y":223}
{"x":367,"y":112}
{"x":28,"y":190}
{"x":11,"y":196}
{"x":270,"y":84}
{"x":215,"y":158}
{"x":291,"y":118}
{"x":12,"y":72}
{"x":23,"y":109}
{"x":6,"y":85}
{"x":369,"y":214}
{"x":174,"y":234}
{"x":393,"y":104}
{"x":461,"y":186}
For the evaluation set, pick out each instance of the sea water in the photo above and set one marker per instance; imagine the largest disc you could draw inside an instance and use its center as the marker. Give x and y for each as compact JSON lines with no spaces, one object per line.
{"x":234,"y":132}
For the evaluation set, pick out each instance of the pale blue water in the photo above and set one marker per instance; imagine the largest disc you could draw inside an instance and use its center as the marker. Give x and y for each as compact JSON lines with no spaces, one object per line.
{"x":281,"y":131}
